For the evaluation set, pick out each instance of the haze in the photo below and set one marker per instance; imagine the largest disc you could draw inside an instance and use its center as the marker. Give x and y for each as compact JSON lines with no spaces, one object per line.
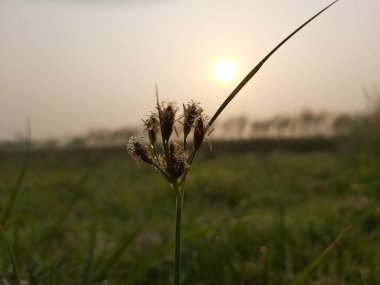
{"x":71,"y":66}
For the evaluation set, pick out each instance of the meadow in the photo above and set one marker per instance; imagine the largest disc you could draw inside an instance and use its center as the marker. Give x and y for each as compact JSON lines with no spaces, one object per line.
{"x":284,"y":209}
{"x":91,"y":216}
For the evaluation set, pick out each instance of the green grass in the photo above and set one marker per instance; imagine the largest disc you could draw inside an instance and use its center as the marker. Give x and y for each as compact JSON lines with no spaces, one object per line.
{"x":85,"y":216}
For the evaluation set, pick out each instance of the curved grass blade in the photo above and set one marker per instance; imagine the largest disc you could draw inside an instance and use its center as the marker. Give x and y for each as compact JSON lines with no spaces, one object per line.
{"x":47,"y":238}
{"x":90,"y":256}
{"x":16,"y":189}
{"x":116,"y":256}
{"x":13,"y":259}
{"x":300,"y":279}
{"x":259,"y":65}
{"x":9,"y":207}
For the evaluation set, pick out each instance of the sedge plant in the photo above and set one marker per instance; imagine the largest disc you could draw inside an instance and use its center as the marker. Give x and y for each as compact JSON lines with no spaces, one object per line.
{"x":174,"y":160}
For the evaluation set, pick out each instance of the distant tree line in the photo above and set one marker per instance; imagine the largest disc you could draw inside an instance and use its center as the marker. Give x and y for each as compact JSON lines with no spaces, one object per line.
{"x":305,"y":124}
{"x":93,"y":138}
{"x":361,"y":129}
{"x":103,"y":137}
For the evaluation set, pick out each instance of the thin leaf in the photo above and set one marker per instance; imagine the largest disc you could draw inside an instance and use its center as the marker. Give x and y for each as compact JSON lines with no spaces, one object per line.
{"x":116,"y":256}
{"x":259,"y":65}
{"x":13,"y":258}
{"x":16,"y":189}
{"x":48,"y":237}
{"x":90,"y":256}
{"x":300,"y":279}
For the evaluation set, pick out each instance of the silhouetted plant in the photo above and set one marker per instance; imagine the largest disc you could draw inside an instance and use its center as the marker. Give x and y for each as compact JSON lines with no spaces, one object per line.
{"x":171,"y":159}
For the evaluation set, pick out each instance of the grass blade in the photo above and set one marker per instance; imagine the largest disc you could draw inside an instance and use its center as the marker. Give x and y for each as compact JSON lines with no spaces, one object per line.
{"x":300,"y":279}
{"x":16,"y":189}
{"x":116,"y":256}
{"x":13,"y":258}
{"x":90,"y":256}
{"x":49,"y":235}
{"x":259,"y":65}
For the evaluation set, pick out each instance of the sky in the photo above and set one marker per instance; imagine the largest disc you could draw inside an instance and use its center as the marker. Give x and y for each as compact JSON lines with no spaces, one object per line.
{"x":74,"y":65}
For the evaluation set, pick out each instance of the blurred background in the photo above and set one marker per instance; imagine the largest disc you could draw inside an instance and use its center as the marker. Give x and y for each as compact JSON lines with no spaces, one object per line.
{"x":74,"y":66}
{"x":295,"y":160}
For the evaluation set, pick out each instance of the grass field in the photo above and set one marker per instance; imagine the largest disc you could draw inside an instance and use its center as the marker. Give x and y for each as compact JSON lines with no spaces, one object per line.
{"x":85,"y":216}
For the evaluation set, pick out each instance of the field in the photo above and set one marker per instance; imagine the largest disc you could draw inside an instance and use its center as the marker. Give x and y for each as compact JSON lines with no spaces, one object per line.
{"x":89,"y":215}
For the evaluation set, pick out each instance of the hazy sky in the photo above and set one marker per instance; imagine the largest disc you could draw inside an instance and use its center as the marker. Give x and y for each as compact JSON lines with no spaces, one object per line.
{"x":72,"y":65}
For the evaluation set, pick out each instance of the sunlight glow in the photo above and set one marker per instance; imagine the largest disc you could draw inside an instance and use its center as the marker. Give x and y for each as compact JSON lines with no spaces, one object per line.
{"x":225,"y":70}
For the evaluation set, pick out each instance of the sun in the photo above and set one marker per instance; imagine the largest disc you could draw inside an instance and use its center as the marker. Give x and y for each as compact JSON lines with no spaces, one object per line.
{"x":225,"y":70}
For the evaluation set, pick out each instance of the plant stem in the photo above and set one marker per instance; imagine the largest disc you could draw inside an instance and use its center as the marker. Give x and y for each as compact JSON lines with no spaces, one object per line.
{"x":177,"y":265}
{"x":13,"y":258}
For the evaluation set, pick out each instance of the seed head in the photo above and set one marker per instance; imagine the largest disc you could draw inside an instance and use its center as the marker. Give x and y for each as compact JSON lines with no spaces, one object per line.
{"x":190,"y":114}
{"x":180,"y":166}
{"x":174,"y":148}
{"x":199,"y":132}
{"x":152,"y":136}
{"x":139,"y":151}
{"x":151,"y":125}
{"x":178,"y":158}
{"x":167,"y":119}
{"x":172,"y":160}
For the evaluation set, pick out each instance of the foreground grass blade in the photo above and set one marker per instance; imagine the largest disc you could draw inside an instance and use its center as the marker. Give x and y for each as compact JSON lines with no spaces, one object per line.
{"x":259,"y":65}
{"x":48,"y":237}
{"x":300,"y":279}
{"x":20,"y":179}
{"x":8,"y":210}
{"x":116,"y":256}
{"x":90,"y":256}
{"x":13,"y":258}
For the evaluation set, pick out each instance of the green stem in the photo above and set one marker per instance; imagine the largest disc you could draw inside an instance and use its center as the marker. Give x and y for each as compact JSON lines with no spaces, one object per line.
{"x":177,"y":265}
{"x":191,"y":156}
{"x":158,"y":167}
{"x":13,"y":258}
